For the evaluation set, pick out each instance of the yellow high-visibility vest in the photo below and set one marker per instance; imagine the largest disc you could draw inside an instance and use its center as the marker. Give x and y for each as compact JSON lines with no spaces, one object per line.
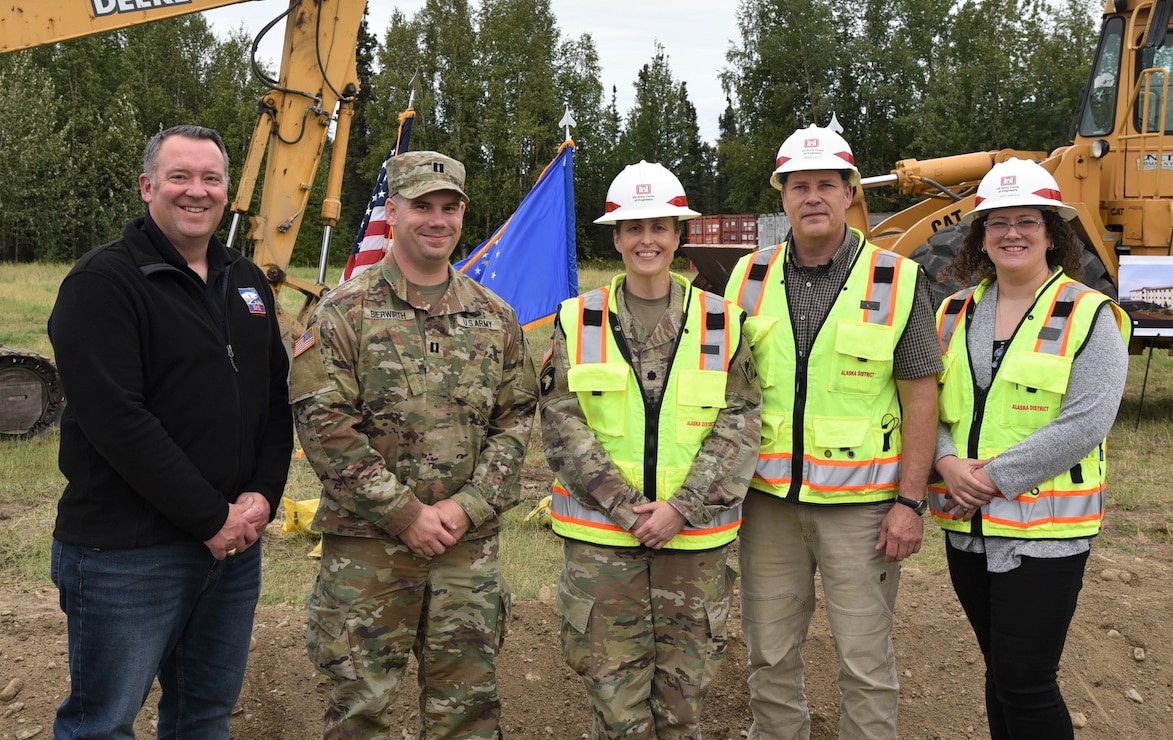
{"x":831,"y":421}
{"x":1026,"y":394}
{"x":653,"y":447}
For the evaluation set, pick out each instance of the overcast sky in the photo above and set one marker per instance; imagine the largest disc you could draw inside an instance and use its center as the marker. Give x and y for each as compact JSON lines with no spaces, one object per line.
{"x":695,"y":35}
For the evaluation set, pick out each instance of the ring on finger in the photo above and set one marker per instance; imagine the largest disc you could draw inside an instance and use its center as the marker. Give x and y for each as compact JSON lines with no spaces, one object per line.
{"x":232,"y":552}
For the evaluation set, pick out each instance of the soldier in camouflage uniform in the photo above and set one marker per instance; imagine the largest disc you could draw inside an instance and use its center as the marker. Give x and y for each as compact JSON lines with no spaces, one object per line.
{"x":650,"y":419}
{"x":414,"y":399}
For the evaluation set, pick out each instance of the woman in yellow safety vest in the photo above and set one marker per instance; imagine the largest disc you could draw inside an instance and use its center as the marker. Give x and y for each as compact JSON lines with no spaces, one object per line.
{"x":651,"y":420}
{"x":1035,"y":365}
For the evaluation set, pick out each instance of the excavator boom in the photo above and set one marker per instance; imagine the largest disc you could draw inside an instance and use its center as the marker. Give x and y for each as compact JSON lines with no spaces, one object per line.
{"x":312,"y":98}
{"x":29,"y":23}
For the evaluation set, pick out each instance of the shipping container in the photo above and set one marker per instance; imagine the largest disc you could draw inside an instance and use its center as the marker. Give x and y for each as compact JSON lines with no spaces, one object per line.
{"x":740,"y":229}
{"x":772,"y":229}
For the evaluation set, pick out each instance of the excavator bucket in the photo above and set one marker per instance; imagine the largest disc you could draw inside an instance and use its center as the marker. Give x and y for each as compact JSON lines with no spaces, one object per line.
{"x":713,"y":263}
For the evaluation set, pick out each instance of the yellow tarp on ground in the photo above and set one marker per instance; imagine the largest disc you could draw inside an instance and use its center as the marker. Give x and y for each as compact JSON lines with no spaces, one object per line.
{"x":299,"y":515}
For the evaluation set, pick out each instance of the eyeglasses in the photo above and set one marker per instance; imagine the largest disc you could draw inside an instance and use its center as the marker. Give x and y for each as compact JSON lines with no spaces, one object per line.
{"x":1025,"y":227}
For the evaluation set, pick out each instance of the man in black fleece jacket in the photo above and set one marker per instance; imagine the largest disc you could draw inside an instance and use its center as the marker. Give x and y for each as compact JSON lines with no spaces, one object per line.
{"x":175,"y":443}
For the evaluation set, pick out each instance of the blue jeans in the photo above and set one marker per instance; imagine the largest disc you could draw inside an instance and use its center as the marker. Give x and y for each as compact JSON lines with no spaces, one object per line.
{"x":171,"y":611}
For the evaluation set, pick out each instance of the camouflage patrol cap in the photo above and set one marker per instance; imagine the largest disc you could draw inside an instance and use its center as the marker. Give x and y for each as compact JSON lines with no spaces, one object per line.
{"x":413,"y":174}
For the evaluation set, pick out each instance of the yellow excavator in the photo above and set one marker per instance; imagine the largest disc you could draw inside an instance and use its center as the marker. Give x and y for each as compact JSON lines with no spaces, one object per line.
{"x":313,"y":94}
{"x":1117,"y":172}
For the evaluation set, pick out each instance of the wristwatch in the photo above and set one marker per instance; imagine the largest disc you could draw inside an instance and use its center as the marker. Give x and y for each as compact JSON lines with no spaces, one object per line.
{"x":920,"y":507}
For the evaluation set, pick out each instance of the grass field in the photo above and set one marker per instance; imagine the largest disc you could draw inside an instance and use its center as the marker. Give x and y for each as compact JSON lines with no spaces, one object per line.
{"x":1140,"y":519}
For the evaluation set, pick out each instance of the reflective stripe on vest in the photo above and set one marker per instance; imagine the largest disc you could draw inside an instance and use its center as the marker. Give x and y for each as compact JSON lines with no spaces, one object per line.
{"x":839,"y":476}
{"x":710,"y":333}
{"x":750,"y":295}
{"x":592,"y":345}
{"x":1069,"y":505}
{"x":955,"y":307}
{"x":566,"y":509}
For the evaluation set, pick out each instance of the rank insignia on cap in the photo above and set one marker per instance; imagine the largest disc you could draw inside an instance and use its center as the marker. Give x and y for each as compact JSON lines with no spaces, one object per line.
{"x":252,"y":299}
{"x":304,"y":342}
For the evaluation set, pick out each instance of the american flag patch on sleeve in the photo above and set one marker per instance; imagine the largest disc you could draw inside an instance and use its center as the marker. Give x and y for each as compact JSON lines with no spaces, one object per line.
{"x":304,"y":342}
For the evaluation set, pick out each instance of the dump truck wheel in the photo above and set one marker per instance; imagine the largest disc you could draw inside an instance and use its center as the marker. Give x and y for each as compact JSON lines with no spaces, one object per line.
{"x":1095,"y":275}
{"x":31,"y":398}
{"x":936,"y":254}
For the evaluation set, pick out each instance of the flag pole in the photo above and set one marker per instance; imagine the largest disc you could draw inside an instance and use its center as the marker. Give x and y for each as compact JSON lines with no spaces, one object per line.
{"x":372,"y":241}
{"x":492,"y":240}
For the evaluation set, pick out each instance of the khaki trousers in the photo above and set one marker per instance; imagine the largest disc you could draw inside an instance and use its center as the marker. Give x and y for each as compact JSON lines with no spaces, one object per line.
{"x":782,"y":545}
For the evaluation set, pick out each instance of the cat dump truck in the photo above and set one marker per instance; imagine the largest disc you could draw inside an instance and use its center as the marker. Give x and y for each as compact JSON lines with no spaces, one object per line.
{"x":313,"y":94}
{"x":1117,"y":172}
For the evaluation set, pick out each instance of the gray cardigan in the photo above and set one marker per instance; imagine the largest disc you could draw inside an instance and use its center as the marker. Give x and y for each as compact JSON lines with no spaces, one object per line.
{"x":1098,"y":374}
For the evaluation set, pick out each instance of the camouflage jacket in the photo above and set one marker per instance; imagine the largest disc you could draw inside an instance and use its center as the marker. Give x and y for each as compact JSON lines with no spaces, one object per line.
{"x":722,"y":471}
{"x":397,"y":406}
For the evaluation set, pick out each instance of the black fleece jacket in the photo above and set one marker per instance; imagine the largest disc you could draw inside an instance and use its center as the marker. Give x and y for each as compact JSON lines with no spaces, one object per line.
{"x":177,"y":392}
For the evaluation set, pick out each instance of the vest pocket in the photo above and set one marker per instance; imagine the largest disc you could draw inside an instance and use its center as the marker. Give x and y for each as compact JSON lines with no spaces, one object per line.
{"x":837,"y":437}
{"x":776,"y":429}
{"x":862,"y":361}
{"x":758,"y":330}
{"x":602,"y":395}
{"x":670,"y":480}
{"x":1033,"y":386}
{"x":700,"y":395}
{"x":949,"y":388}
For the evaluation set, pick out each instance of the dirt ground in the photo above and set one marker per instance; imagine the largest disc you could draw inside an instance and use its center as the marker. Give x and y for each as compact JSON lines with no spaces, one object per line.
{"x":1117,"y":672}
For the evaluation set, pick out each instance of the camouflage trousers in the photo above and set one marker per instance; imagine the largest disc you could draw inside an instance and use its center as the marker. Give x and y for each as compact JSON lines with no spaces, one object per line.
{"x":375,"y":602}
{"x":646,"y":630}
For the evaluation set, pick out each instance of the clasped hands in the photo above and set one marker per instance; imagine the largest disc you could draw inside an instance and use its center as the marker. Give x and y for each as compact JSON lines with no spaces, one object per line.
{"x":247,"y":519}
{"x":970,"y":486}
{"x":436,"y":528}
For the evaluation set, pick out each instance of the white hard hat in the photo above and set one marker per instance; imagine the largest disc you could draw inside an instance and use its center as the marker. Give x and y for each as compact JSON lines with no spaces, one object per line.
{"x":1018,"y":183}
{"x":645,"y":190}
{"x":814,"y":148}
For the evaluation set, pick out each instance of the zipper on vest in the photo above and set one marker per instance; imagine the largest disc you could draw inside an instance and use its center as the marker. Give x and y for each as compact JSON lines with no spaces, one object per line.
{"x":798,"y":441}
{"x":651,"y":410}
{"x":975,"y":428}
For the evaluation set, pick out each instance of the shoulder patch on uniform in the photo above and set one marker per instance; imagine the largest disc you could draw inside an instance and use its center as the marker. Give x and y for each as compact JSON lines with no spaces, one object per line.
{"x":547,"y":380}
{"x":252,"y":299}
{"x":749,"y":368}
{"x":304,"y":342}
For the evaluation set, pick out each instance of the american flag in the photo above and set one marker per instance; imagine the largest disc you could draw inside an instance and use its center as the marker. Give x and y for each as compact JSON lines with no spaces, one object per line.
{"x":304,"y":342}
{"x":374,"y":234}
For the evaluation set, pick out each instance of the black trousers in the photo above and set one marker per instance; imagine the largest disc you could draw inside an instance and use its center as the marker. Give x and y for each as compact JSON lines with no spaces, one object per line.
{"x":1021,"y":620}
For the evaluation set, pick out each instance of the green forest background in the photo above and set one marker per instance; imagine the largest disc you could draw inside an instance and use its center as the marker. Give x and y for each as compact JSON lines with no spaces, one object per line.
{"x":906,"y":79}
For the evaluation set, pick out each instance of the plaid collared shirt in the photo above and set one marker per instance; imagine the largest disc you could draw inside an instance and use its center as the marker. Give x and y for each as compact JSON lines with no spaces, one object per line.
{"x":811,"y":291}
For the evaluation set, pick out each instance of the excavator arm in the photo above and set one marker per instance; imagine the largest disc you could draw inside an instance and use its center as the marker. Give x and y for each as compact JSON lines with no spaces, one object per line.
{"x":312,"y":98}
{"x":313,"y":92}
{"x":29,"y":23}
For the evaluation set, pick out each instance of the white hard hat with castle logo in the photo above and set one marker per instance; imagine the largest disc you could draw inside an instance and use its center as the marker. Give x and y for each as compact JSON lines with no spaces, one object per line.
{"x":814,"y":148}
{"x":645,"y":190}
{"x":1018,"y":183}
